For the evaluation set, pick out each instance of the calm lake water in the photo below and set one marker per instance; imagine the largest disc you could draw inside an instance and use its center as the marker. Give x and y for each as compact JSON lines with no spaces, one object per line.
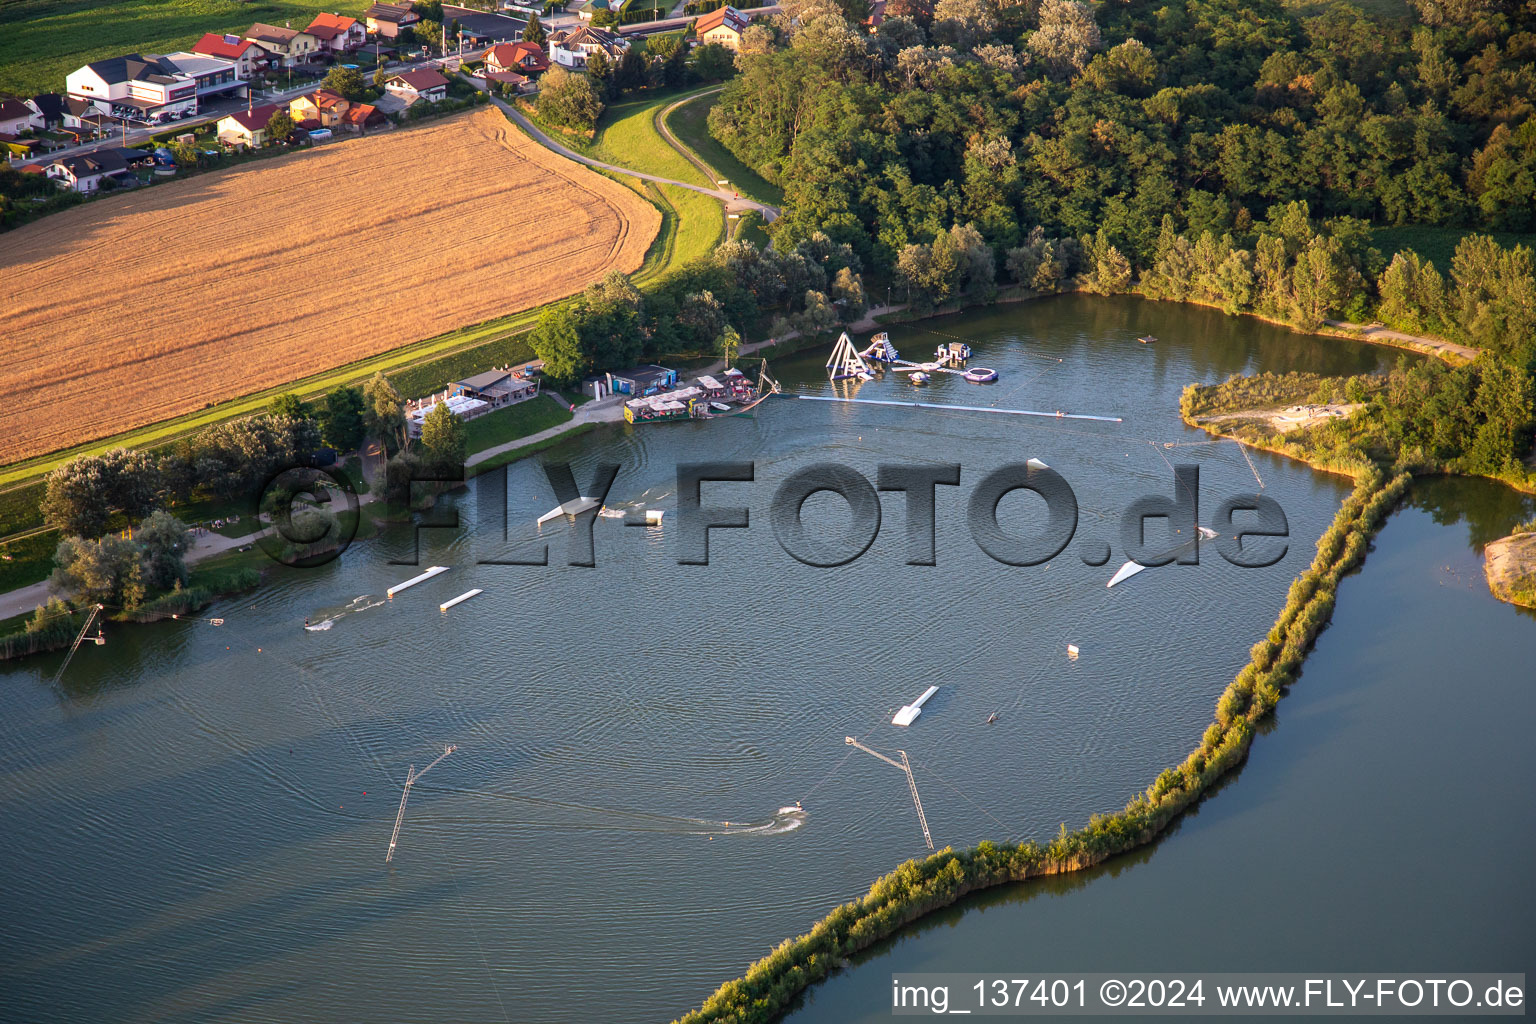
{"x":196,"y":816}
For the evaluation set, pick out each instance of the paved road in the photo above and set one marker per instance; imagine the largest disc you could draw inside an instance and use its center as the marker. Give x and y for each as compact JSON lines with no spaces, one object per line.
{"x":212,"y":112}
{"x":733,"y":202}
{"x":672,"y":24}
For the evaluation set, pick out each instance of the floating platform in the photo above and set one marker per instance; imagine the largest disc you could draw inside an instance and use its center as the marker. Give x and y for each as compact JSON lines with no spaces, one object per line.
{"x":460,"y":599}
{"x":435,"y":570}
{"x":909,"y":712}
{"x":574,"y":507}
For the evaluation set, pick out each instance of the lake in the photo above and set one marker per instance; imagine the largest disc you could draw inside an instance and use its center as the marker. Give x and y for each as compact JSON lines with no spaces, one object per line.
{"x":197,"y":815}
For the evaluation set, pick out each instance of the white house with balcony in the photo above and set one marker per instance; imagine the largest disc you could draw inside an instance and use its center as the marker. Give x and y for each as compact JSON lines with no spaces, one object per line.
{"x":572,"y":49}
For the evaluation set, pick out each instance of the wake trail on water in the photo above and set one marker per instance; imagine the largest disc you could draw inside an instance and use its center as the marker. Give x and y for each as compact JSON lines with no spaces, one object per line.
{"x":785,"y":819}
{"x":325,"y":618}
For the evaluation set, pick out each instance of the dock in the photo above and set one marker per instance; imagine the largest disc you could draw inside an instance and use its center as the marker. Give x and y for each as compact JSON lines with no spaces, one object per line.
{"x":435,"y":570}
{"x":460,"y":599}
{"x":909,"y":712}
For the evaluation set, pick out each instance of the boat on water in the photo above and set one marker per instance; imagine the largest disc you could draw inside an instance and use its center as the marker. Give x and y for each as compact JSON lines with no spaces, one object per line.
{"x":1147,"y":339}
{"x":707,"y":398}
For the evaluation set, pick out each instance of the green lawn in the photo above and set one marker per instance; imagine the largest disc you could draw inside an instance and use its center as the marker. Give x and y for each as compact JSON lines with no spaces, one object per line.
{"x":1437,"y":244}
{"x":690,"y":123}
{"x":627,"y":137}
{"x":41,"y":41}
{"x":513,"y":422}
{"x":701,"y":220}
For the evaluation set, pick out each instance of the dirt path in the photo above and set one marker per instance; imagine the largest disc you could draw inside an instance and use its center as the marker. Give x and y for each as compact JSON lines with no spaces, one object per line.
{"x":1386,"y":335}
{"x":1292,"y":417}
{"x":733,"y":203}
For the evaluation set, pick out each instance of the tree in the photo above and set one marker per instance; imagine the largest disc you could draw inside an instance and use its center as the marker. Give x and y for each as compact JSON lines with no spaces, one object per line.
{"x":428,"y":33}
{"x":704,"y":316}
{"x":728,"y":344}
{"x":848,"y":293}
{"x":93,"y":570}
{"x":384,"y":411}
{"x":533,"y":32}
{"x":556,"y":339}
{"x":341,"y":421}
{"x":600,"y":73}
{"x":604,"y":19}
{"x":163,"y":542}
{"x":279,"y":126}
{"x":819,"y":315}
{"x":444,"y":440}
{"x":349,"y":82}
{"x":81,"y":495}
{"x":713,"y":63}
{"x":1066,"y":36}
{"x":288,"y":404}
{"x":569,"y":100}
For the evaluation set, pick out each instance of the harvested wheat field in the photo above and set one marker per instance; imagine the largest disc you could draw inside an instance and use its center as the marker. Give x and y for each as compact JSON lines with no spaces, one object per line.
{"x":138,"y":308}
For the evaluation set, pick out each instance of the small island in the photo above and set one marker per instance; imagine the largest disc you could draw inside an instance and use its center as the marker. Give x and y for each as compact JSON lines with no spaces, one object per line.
{"x":1510,"y":565}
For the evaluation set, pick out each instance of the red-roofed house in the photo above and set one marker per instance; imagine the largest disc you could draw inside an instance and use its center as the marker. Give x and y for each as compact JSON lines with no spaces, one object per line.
{"x":724,"y":25}
{"x":362,"y":115}
{"x":523,"y":58}
{"x":424,"y":84}
{"x":243,"y":53}
{"x":247,"y":127}
{"x":337,"y":32}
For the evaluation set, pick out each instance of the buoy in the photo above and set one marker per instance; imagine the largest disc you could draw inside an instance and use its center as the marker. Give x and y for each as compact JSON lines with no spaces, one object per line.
{"x":1072,"y":651}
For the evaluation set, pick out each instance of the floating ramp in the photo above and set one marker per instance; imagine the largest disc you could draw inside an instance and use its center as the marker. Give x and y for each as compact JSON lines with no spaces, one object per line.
{"x":460,"y":599}
{"x":436,"y":569}
{"x":574,"y":507}
{"x":909,"y":712}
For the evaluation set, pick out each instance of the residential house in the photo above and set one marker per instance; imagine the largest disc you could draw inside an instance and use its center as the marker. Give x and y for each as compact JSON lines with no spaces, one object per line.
{"x":48,"y":110}
{"x":338,"y":33}
{"x":389,"y":20}
{"x":478,"y":29}
{"x":135,"y":87}
{"x":247,"y":127}
{"x":85,"y":173}
{"x":521,"y":58}
{"x":876,"y":16}
{"x":15,"y":117}
{"x":81,"y":114}
{"x":359,"y":116}
{"x":425,"y":84}
{"x":723,"y":25}
{"x":288,"y":46}
{"x":592,"y":7}
{"x":247,"y":57}
{"x":323,"y":107}
{"x":571,"y":49}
